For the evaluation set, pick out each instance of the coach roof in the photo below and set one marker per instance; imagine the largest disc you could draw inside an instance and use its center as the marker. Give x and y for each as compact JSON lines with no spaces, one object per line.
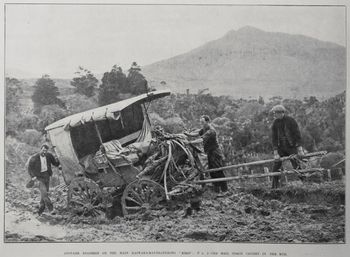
{"x":105,"y":112}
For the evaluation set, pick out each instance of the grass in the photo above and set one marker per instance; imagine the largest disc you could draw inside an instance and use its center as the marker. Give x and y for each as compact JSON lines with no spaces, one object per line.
{"x":332,"y":192}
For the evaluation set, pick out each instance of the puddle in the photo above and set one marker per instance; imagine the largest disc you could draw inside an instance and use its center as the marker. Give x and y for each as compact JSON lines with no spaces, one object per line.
{"x":29,"y":225}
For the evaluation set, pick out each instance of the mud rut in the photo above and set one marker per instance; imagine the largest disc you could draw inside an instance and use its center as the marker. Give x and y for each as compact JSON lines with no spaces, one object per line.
{"x":298,"y":213}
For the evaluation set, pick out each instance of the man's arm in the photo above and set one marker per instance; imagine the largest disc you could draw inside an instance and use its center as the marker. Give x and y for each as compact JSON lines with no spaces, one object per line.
{"x":31,"y":167}
{"x":54,"y":161}
{"x":195,"y":133}
{"x":297,"y":137}
{"x":198,"y":140}
{"x":274,"y":136}
{"x":274,"y":129}
{"x":296,"y":133}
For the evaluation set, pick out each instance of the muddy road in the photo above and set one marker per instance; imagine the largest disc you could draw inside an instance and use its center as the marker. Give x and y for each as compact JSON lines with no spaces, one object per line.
{"x":297,"y":213}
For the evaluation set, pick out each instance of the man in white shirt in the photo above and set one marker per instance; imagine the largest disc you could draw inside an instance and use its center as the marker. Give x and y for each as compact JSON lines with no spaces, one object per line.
{"x":39,"y":168}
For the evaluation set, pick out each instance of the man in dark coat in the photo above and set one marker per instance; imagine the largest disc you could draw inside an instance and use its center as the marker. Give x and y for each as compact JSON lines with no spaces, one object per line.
{"x":213,"y":151}
{"x":39,"y":168}
{"x":286,"y":140}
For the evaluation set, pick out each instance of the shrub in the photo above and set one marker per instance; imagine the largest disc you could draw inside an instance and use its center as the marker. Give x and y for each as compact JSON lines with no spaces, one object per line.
{"x":156,"y":120}
{"x":330,"y":145}
{"x":174,"y":125}
{"x":17,"y":122}
{"x":78,"y":103}
{"x":50,"y":114}
{"x":330,"y":159}
{"x":171,"y":125}
{"x":31,"y":137}
{"x":16,"y":156}
{"x":12,"y":123}
{"x":28,"y":121}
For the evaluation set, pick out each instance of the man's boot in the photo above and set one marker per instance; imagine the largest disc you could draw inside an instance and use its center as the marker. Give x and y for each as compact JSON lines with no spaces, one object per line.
{"x":216,"y":188}
{"x":41,"y":209}
{"x":224,"y":187}
{"x":275,"y":182}
{"x":49,"y":206}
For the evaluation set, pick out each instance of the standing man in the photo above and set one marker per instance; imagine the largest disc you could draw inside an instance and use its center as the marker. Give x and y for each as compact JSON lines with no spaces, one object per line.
{"x":286,"y":140}
{"x":39,"y":168}
{"x":212,"y":149}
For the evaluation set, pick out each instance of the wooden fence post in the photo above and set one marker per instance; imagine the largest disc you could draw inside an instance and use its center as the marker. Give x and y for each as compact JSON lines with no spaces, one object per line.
{"x":240,"y":173}
{"x":266,"y":171}
{"x":329,"y":175}
{"x":285,"y":177}
{"x":340,"y":172}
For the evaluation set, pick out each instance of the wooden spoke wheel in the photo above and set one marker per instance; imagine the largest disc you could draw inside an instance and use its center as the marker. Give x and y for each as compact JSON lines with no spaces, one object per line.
{"x":85,"y":197}
{"x":142,"y":195}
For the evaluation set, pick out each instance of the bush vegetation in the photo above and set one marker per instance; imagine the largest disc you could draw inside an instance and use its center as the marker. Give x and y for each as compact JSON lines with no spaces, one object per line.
{"x":243,"y":125}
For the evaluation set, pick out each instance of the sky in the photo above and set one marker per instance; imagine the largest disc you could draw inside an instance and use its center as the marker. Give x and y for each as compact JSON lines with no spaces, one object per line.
{"x":56,"y":39}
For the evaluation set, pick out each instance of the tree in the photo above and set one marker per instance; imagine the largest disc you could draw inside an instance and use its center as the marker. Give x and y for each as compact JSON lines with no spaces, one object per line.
{"x":310,"y":101}
{"x":13,"y":91}
{"x":113,"y":83}
{"x":78,"y":103}
{"x":250,"y":109}
{"x":206,"y":104}
{"x":330,"y":145}
{"x":137,"y":83}
{"x":261,"y":100}
{"x":85,"y":83}
{"x":45,"y":93}
{"x":50,"y":114}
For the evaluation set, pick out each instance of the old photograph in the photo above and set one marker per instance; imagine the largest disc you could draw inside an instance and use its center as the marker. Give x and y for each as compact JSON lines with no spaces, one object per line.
{"x":190,"y":123}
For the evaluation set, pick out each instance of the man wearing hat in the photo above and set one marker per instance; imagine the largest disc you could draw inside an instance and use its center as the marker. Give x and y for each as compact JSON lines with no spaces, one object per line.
{"x":286,"y":140}
{"x":39,"y":168}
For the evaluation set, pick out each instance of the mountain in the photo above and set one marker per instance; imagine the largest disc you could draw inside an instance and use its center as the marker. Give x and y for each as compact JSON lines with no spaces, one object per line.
{"x":253,"y":62}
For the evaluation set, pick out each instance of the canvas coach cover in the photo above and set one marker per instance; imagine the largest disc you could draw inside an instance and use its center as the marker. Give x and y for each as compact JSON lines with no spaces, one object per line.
{"x":60,"y":135}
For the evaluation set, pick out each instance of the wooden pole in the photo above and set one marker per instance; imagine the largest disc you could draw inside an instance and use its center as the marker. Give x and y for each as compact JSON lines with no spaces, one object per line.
{"x":98,"y":133}
{"x":285,"y":176}
{"x":151,"y":166}
{"x":340,"y":172}
{"x":166,"y":169}
{"x":109,"y":163}
{"x":270,"y":174}
{"x":266,"y":171}
{"x":264,"y":161}
{"x":329,"y":175}
{"x":252,"y":172}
